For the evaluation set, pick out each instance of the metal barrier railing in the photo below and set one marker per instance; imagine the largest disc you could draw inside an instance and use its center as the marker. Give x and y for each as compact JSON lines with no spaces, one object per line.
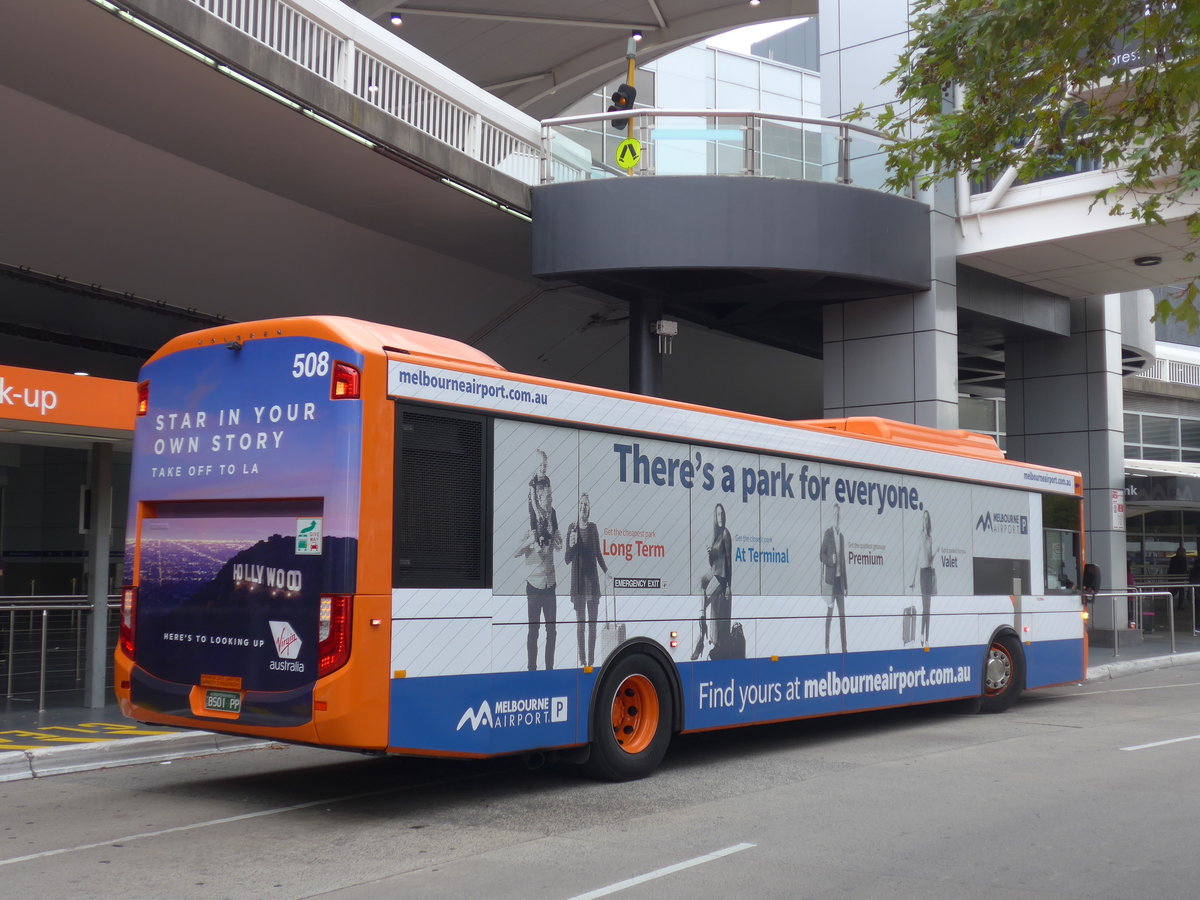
{"x":43,"y":643}
{"x":342,"y":47}
{"x":724,"y":142}
{"x":1135,"y":609}
{"x":1183,"y":594}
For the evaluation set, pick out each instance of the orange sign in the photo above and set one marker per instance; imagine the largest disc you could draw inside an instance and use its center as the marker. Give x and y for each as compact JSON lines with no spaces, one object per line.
{"x":55,"y":398}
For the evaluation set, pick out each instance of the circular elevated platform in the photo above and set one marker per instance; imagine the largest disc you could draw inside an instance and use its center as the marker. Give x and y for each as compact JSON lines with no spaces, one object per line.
{"x":753,"y":256}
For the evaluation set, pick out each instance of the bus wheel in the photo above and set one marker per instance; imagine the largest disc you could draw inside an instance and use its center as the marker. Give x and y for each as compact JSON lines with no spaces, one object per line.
{"x":631,"y":722}
{"x":1003,"y":674}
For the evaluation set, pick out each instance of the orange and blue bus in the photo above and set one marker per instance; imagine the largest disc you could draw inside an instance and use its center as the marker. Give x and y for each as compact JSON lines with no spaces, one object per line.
{"x":356,"y":536}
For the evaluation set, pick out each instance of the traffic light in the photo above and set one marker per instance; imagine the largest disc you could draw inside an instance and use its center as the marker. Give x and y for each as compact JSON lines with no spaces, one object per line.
{"x":622,"y":99}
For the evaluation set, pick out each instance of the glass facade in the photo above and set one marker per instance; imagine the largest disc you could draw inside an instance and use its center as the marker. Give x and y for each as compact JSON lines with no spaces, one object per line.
{"x":1151,"y":540}
{"x":984,"y":415}
{"x":1175,"y":438}
{"x":42,"y":548}
{"x":702,"y":77}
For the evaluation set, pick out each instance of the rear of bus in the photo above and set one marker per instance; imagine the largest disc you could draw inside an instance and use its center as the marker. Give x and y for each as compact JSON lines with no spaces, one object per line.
{"x":246,"y":608}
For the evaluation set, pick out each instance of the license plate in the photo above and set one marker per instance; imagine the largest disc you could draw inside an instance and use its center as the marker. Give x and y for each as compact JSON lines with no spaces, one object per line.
{"x":223,"y":701}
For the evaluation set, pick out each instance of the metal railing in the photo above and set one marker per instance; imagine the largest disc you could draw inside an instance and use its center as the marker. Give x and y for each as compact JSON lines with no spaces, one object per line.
{"x":1180,"y":592}
{"x":1171,"y":371}
{"x":1136,"y":612}
{"x":335,"y":43}
{"x":43,"y":643}
{"x":724,"y":142}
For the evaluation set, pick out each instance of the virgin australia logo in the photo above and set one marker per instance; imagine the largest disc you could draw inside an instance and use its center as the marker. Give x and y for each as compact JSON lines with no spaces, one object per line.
{"x":287,"y":642}
{"x":483,"y":717}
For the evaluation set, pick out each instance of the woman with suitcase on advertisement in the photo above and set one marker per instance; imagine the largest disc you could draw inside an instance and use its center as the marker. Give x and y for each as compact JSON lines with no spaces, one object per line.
{"x":925,"y":574}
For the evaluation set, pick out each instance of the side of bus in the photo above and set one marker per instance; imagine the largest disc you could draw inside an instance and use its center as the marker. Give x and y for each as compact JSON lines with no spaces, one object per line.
{"x":354,"y":536}
{"x":608,"y":581}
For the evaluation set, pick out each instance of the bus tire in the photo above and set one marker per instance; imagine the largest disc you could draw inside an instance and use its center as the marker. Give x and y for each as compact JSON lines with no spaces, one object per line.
{"x":1003,"y":674}
{"x":631,"y":720}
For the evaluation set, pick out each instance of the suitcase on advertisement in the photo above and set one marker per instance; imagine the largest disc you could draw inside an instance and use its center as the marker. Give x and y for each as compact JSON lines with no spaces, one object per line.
{"x":737,"y":642}
{"x":612,"y":634}
{"x":733,"y":647}
{"x":910,"y":624}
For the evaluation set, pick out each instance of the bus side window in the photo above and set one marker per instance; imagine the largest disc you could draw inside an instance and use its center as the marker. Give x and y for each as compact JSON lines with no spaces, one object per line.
{"x":440,"y":534}
{"x":1060,"y":538}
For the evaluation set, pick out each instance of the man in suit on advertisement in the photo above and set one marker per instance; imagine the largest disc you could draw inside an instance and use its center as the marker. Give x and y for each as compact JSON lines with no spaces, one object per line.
{"x":833,"y":561}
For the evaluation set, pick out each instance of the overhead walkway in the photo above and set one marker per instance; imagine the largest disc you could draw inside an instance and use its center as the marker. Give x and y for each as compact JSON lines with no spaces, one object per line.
{"x":444,"y":150}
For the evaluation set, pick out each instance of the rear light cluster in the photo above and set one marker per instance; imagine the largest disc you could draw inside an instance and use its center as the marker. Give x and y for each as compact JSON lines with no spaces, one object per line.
{"x":333,"y":633}
{"x":346,"y":381}
{"x":128,"y":611}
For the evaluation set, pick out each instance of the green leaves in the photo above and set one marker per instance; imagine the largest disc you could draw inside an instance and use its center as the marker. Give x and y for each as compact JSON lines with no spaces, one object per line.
{"x":1043,"y":83}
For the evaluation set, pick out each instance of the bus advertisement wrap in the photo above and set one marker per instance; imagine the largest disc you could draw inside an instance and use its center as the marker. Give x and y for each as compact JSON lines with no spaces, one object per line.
{"x":596,"y":530}
{"x":554,"y":565}
{"x":233,"y":587}
{"x":505,"y":713}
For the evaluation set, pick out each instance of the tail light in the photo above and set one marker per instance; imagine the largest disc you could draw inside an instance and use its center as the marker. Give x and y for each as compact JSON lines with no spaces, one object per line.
{"x":128,"y":611}
{"x":346,"y":380}
{"x":143,"y":398}
{"x":333,"y":633}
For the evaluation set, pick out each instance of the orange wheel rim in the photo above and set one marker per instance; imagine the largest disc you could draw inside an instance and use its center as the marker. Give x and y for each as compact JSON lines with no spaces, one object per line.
{"x":635,"y":714}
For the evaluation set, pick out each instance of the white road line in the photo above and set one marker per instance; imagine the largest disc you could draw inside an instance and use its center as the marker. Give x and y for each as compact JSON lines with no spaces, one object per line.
{"x":1194,"y":737}
{"x":1154,"y":687}
{"x":176,"y":829}
{"x":659,"y":873}
{"x":239,"y":818}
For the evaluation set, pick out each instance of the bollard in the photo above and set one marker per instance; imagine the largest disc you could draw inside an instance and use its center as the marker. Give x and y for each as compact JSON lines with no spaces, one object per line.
{"x":42,"y":673}
{"x":12,"y":634}
{"x":1116,"y":630}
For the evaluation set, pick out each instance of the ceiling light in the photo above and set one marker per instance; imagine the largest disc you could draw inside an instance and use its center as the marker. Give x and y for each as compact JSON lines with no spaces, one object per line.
{"x":637,"y":35}
{"x":396,"y":20}
{"x":1147,"y":260}
{"x":755,"y":2}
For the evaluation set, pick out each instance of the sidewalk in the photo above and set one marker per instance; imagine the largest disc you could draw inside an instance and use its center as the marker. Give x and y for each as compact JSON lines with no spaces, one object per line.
{"x":70,"y":738}
{"x":1153,"y":653}
{"x":75,"y":739}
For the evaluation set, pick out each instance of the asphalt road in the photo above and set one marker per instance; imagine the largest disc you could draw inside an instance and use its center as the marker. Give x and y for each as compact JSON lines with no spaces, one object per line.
{"x":1045,"y":801}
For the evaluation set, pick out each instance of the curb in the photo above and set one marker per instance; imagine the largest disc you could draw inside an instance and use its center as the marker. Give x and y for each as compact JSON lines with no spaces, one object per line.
{"x":24,"y":764}
{"x":1134,"y":666}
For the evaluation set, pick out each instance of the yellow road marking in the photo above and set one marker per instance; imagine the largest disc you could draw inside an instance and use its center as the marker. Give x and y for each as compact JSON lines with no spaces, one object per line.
{"x":88,"y":733}
{"x":123,"y":728}
{"x":52,"y":738}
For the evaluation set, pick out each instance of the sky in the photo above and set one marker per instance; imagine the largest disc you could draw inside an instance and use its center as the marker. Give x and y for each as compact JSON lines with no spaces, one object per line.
{"x":740,"y":39}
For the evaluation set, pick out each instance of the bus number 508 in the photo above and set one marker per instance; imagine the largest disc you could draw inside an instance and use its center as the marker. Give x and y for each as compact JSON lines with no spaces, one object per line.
{"x":306,"y":365}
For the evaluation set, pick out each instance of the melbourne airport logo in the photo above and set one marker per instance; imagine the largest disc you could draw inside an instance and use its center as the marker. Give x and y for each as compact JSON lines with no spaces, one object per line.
{"x":515,"y":713}
{"x":1002,"y":523}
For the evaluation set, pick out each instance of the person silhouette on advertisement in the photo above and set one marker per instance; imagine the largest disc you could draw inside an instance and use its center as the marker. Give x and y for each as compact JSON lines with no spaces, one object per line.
{"x":717,"y":590}
{"x":833,"y":562}
{"x":583,"y":555}
{"x":925,"y":574}
{"x":538,"y":547}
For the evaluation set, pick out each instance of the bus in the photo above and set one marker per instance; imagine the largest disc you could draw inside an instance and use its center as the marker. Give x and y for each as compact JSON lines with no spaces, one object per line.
{"x":356,"y":536}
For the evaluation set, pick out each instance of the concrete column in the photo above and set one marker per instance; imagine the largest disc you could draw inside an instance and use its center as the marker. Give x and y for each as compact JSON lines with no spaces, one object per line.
{"x":1065,"y":409}
{"x":645,"y":362}
{"x":896,"y":357}
{"x":99,"y":654}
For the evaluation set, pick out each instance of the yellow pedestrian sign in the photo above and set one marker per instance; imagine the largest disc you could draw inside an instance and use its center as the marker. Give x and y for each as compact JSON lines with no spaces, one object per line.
{"x":629,"y":153}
